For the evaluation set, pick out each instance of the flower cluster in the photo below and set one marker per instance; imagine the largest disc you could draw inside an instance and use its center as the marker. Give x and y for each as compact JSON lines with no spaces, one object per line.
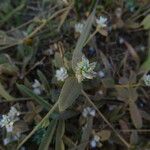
{"x":11,"y":139}
{"x":79,"y":27}
{"x":88,"y":111}
{"x":61,"y":74}
{"x":85,"y":69}
{"x":8,"y":120}
{"x":146,"y":79}
{"x":95,"y":142}
{"x":37,"y":87}
{"x":101,"y":22}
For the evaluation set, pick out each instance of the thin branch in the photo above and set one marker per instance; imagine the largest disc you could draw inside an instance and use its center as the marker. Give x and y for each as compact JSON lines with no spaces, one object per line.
{"x":38,"y":125}
{"x":105,"y":119}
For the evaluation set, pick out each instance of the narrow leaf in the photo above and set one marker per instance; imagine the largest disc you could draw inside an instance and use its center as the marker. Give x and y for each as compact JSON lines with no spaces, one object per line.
{"x":135,"y":115}
{"x":5,"y":94}
{"x":37,"y":98}
{"x":44,"y":81}
{"x":146,"y":22}
{"x":69,"y":93}
{"x":59,"y":145}
{"x":64,"y":15}
{"x":58,"y":60}
{"x":86,"y":134}
{"x":146,"y":65}
{"x":77,"y":54}
{"x":49,"y":135}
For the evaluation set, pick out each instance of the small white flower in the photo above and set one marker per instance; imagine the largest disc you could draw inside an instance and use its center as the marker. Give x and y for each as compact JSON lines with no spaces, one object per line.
{"x":100,"y":92}
{"x":111,"y":107}
{"x":121,"y":40}
{"x":101,"y":74}
{"x":65,"y":1}
{"x":146,"y":79}
{"x":96,"y":138}
{"x":37,"y":91}
{"x":79,"y":27}
{"x":61,"y":74}
{"x":101,"y":22}
{"x":95,"y":141}
{"x":36,"y":84}
{"x":11,"y":138}
{"x":37,"y":87}
{"x":9,"y":127}
{"x":8,"y":120}
{"x":6,"y":141}
{"x":13,"y":112}
{"x":88,"y":111}
{"x":85,"y":69}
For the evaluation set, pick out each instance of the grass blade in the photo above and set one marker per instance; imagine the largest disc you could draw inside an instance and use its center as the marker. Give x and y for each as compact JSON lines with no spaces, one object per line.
{"x":37,"y":98}
{"x":49,"y":135}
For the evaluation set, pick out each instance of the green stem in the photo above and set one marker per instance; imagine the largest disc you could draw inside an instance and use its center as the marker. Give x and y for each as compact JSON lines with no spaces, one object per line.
{"x":105,"y":119}
{"x":38,"y":125}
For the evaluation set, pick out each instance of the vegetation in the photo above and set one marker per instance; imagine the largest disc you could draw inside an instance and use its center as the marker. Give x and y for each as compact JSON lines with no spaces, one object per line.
{"x":75,"y":74}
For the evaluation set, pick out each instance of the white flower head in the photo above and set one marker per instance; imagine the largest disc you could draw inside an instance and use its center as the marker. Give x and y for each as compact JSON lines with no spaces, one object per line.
{"x":61,"y":74}
{"x":6,"y":141}
{"x":8,"y":120}
{"x":37,"y":87}
{"x":85,"y":69}
{"x":101,"y":22}
{"x":13,"y":112}
{"x":88,"y":111}
{"x":146,"y":79}
{"x":101,"y":74}
{"x":36,"y":84}
{"x":95,"y":141}
{"x":79,"y":27}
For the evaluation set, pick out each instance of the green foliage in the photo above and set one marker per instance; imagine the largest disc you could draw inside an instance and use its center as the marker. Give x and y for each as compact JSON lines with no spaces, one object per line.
{"x":38,"y":37}
{"x":59,"y":144}
{"x":146,"y":22}
{"x":35,"y":97}
{"x":39,"y":135}
{"x":44,"y":81}
{"x":5,"y":94}
{"x":44,"y":145}
{"x":77,"y":53}
{"x":69,"y":93}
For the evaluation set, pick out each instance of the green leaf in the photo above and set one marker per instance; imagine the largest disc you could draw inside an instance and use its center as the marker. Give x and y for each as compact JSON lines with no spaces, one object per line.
{"x":64,"y":15}
{"x":86,"y":134}
{"x":69,"y":93}
{"x":5,"y":94}
{"x":104,"y":135}
{"x":37,"y":98}
{"x":5,"y":39}
{"x":8,"y":69}
{"x":135,"y":115}
{"x":146,"y":22}
{"x":58,"y":60}
{"x":134,"y":139}
{"x":44,"y":81}
{"x":59,"y":145}
{"x":77,"y":54}
{"x":54,"y":107}
{"x":49,"y":135}
{"x":146,"y":65}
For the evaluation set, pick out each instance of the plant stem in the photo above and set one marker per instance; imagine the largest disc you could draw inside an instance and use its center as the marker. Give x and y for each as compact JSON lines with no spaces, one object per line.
{"x":38,"y":125}
{"x":105,"y":119}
